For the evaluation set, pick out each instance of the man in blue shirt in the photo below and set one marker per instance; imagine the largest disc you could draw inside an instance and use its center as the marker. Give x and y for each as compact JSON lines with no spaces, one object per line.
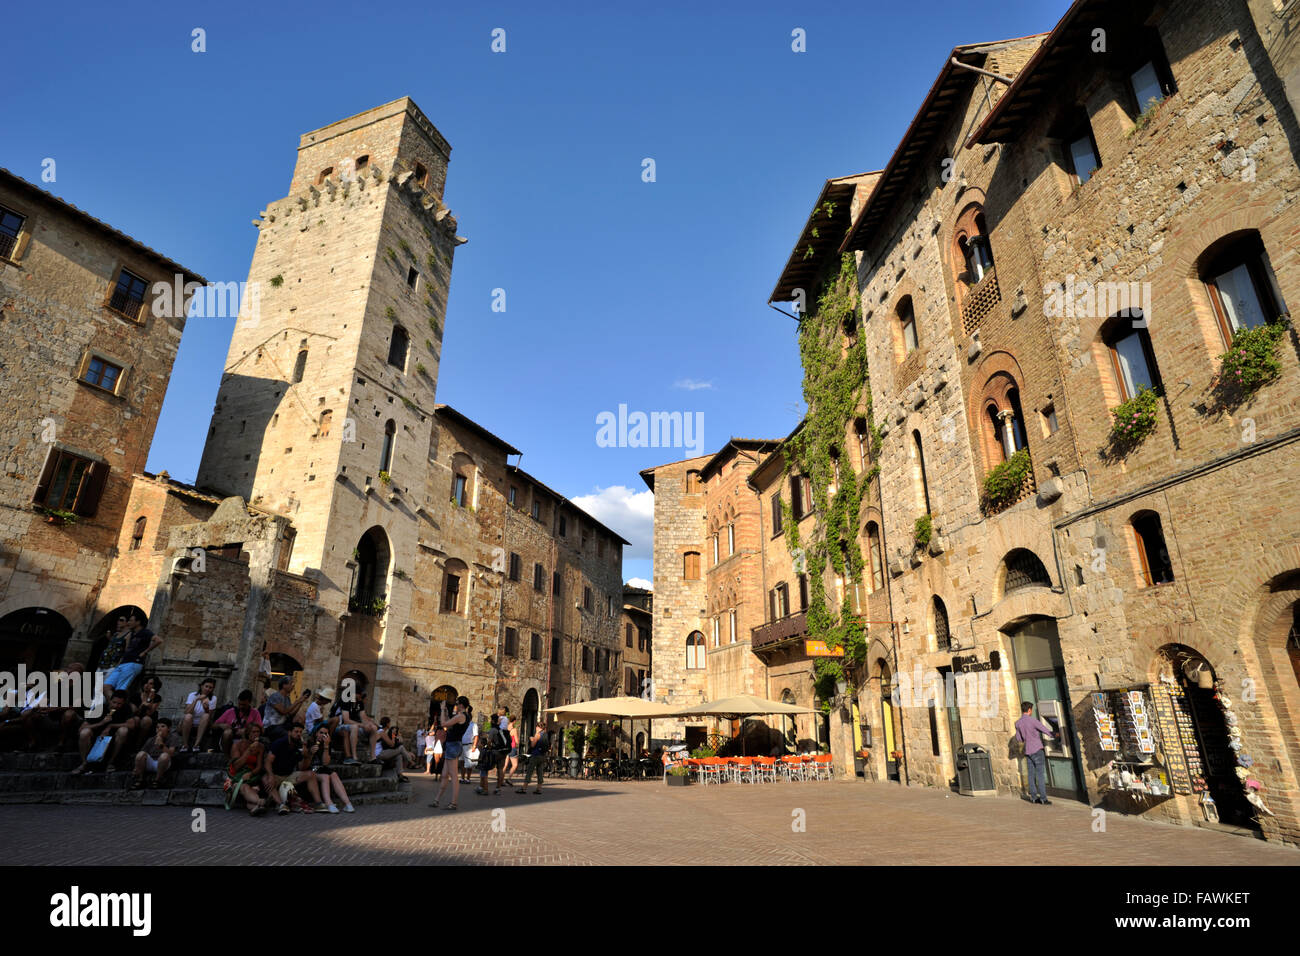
{"x":1030,"y":732}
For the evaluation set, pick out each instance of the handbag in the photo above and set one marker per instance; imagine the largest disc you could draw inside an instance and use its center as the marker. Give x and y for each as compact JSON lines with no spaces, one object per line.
{"x":99,"y":750}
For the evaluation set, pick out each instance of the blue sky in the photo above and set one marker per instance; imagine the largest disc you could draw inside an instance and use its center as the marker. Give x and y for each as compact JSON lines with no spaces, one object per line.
{"x":618,"y":291}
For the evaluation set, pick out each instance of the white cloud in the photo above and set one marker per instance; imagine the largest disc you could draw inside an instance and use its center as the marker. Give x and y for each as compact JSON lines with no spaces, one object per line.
{"x":630,"y":513}
{"x":640,"y":583}
{"x":691,"y":385}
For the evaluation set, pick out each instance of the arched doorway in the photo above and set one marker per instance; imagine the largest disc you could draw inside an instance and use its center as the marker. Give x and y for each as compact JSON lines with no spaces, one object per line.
{"x":1293,"y":641}
{"x":891,"y":730}
{"x":372,"y":558}
{"x":1207,"y":733}
{"x":35,"y":637}
{"x":444,"y":693}
{"x":107,"y":624}
{"x":1041,"y":681}
{"x":528,"y":718}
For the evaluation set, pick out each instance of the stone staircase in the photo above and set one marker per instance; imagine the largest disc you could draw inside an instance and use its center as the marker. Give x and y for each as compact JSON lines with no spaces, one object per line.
{"x":194,"y":780}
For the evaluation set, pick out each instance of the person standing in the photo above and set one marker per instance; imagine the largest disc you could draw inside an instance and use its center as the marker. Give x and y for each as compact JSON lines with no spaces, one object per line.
{"x":139,"y":642}
{"x":1030,"y":731}
{"x":538,"y":745}
{"x":433,"y":747}
{"x":456,"y":725}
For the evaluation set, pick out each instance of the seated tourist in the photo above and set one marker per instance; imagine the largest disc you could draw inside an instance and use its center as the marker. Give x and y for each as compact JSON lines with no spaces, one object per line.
{"x":244,"y":771}
{"x":233,"y":721}
{"x":146,"y":705}
{"x":319,"y":753}
{"x":344,"y":718}
{"x":199,"y":707}
{"x":280,"y":712}
{"x":115,"y":724}
{"x":286,"y":765}
{"x":156,"y":755}
{"x":314,"y":717}
{"x":59,"y":724}
{"x":389,"y":748}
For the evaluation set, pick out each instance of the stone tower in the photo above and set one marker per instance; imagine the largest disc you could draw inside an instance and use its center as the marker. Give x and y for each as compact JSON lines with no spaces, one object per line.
{"x":325,"y":409}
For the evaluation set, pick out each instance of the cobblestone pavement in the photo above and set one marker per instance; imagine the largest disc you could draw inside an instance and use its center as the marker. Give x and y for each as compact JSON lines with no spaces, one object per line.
{"x":603,"y":823}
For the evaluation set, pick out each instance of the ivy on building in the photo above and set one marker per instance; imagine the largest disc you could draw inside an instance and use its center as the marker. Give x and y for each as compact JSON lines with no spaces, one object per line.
{"x":834,"y":387}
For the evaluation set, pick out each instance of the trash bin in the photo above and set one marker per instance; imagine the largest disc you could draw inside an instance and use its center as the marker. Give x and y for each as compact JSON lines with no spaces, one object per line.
{"x":974,"y":771}
{"x":575,"y":766}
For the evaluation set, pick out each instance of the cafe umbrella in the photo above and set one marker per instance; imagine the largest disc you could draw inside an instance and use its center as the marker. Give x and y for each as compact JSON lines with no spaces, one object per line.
{"x":611,"y":708}
{"x":742,"y":706}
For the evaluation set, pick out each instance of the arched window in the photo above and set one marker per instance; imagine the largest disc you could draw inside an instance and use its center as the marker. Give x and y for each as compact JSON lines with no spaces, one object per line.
{"x":463,"y":472}
{"x":137,"y":535}
{"x":918,"y":475}
{"x":942,"y":636}
{"x":1002,"y":423}
{"x":875,"y":556}
{"x":454,"y":582}
{"x":386,"y":455}
{"x":907,"y":326}
{"x":1152,"y":553}
{"x":300,"y":366}
{"x":324,"y":174}
{"x":974,"y":251}
{"x":691,"y":566}
{"x":695,"y":651}
{"x":421,"y":175}
{"x":370,"y":576}
{"x":397,"y":348}
{"x":1023,"y":570}
{"x":1241,"y":284}
{"x":862,"y":437}
{"x":1132,"y":358}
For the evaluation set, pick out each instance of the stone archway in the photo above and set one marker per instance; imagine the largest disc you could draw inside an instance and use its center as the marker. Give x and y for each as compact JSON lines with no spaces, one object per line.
{"x":35,"y":637}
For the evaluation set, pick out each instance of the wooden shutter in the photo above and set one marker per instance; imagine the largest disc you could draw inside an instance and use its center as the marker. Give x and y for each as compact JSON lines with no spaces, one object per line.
{"x":47,"y":475}
{"x":92,"y":489}
{"x":776,"y":514}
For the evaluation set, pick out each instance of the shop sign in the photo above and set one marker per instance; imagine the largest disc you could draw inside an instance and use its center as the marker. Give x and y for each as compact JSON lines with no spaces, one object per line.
{"x":971,"y":662}
{"x":819,"y":649}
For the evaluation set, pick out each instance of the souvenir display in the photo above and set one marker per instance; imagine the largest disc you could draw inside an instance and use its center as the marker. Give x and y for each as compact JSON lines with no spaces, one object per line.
{"x":1105,"y":723}
{"x":1250,"y":785}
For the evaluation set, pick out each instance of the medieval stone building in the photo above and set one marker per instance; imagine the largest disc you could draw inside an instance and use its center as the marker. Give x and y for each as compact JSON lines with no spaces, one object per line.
{"x":343,"y":524}
{"x":1073,"y":499}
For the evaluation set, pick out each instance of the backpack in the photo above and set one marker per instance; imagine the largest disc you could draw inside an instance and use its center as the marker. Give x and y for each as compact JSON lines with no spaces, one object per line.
{"x":498,"y":740}
{"x":544,"y":743}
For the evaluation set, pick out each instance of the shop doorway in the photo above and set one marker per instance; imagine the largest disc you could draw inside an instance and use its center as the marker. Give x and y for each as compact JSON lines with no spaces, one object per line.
{"x":35,"y":637}
{"x":1040,"y":680}
{"x":889,"y":725}
{"x":1195,"y":698}
{"x":444,"y":693}
{"x":955,"y":737}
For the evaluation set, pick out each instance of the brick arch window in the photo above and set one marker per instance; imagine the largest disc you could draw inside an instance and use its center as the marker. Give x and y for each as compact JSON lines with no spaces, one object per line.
{"x":1240,"y":283}
{"x":695,"y":651}
{"x":454,"y":582}
{"x":875,"y":557}
{"x":921,"y":485}
{"x":137,"y":534}
{"x":974,"y":254}
{"x":398,"y":346}
{"x":942,"y":634}
{"x":386,"y":453}
{"x":862,"y":441}
{"x":299,"y":366}
{"x":1152,"y":553}
{"x":1132,"y":359}
{"x":1002,"y":422}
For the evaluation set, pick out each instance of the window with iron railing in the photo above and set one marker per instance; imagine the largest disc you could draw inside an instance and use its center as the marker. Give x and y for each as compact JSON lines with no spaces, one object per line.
{"x":128,"y":295}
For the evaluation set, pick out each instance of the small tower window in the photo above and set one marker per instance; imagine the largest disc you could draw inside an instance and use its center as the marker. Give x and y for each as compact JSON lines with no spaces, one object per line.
{"x":300,"y":366}
{"x":412,"y":277}
{"x":397,"y":347}
{"x":325,"y":174}
{"x":137,"y":535}
{"x":390,"y":435}
{"x":421,"y":175}
{"x":362,"y":162}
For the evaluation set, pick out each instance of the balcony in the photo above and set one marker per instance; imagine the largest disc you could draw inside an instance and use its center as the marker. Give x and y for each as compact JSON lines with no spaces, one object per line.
{"x":979,"y":302}
{"x":1009,"y":483}
{"x":778,"y":632}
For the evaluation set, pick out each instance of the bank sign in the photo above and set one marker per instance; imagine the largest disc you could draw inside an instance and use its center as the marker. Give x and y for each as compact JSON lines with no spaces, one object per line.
{"x":970,"y":663}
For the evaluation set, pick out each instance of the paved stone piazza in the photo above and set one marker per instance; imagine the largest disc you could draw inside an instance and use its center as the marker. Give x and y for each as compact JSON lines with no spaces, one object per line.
{"x":590,"y":823}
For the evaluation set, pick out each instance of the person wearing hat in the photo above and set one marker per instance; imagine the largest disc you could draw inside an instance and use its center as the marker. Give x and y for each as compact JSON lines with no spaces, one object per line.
{"x":280,"y":712}
{"x":314,"y":718}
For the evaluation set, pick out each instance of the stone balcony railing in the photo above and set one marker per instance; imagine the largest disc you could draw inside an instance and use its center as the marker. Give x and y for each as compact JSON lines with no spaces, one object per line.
{"x":979,"y":302}
{"x":787,"y":627}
